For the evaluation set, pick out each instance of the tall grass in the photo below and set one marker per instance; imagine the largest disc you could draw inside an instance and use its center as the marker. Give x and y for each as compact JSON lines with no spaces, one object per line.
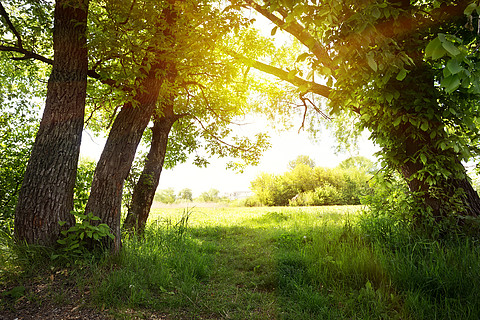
{"x":288,"y":263}
{"x":160,"y":269}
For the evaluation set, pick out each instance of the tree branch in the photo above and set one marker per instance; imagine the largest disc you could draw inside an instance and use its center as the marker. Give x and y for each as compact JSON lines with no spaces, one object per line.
{"x":10,"y":25}
{"x":129,"y":13}
{"x":309,"y":86}
{"x":298,"y":31}
{"x":305,"y":100}
{"x":26,"y":54}
{"x":94,"y":75}
{"x":218,"y":139}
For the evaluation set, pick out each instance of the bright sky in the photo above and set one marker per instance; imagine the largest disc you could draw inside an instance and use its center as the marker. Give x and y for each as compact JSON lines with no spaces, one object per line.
{"x":286,"y":146}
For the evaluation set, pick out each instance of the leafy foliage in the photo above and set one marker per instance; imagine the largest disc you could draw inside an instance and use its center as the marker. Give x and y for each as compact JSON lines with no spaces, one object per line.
{"x":83,"y":238}
{"x":165,"y":196}
{"x":185,"y":194}
{"x":83,"y":182}
{"x":306,"y":160}
{"x":211,"y":195}
{"x":406,"y":71}
{"x":17,"y":132}
{"x":307,"y":186}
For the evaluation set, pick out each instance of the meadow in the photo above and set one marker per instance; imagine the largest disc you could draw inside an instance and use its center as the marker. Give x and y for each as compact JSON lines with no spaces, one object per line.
{"x":282,"y":263}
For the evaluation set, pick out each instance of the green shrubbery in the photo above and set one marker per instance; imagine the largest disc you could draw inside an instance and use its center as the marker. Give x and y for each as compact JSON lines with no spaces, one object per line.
{"x":305,"y":185}
{"x":17,"y":133}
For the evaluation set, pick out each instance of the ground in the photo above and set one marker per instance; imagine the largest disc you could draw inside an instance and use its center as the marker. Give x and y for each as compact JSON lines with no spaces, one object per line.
{"x":54,"y":297}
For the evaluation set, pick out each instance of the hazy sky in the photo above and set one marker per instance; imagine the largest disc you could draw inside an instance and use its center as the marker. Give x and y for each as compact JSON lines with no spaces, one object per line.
{"x":286,"y":146}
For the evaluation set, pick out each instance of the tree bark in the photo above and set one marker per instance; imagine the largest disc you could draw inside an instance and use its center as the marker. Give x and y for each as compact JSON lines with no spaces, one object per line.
{"x":440,"y":196}
{"x":46,"y":195}
{"x":147,"y":184}
{"x":105,"y":200}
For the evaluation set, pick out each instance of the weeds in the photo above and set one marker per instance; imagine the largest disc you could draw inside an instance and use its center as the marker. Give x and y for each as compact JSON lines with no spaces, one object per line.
{"x":287,"y":263}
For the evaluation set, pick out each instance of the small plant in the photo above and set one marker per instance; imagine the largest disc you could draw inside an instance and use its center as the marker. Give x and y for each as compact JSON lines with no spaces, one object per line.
{"x":83,"y":237}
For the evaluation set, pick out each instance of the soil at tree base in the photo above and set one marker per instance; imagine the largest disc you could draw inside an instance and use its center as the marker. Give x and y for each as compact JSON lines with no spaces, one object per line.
{"x":54,"y":297}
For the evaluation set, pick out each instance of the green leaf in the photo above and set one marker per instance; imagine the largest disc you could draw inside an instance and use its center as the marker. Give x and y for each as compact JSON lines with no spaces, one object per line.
{"x":397,"y":121}
{"x":451,"y":48}
{"x":376,"y":13}
{"x":401,"y":75}
{"x":424,"y":126}
{"x":454,"y":66}
{"x":438,"y":52}
{"x":433,"y":47}
{"x":450,"y":83}
{"x":371,"y":61}
{"x":469,"y":9}
{"x":274,"y":31}
{"x":423,"y":158}
{"x":303,"y":56}
{"x":389,"y":96}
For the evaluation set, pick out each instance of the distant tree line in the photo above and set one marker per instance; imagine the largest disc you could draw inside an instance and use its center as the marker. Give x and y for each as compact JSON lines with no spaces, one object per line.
{"x":168,"y":196}
{"x":308,"y":185}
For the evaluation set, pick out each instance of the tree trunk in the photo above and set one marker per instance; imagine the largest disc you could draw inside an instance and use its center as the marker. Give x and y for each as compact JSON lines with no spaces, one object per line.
{"x":105,"y":198}
{"x":440,"y":195}
{"x":144,"y":190}
{"x":46,"y":195}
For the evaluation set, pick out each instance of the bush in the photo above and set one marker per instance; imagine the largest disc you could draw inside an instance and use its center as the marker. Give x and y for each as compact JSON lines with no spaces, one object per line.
{"x":82,"y":239}
{"x":165,"y":196}
{"x":83,"y":183}
{"x":17,"y":132}
{"x":307,"y":186}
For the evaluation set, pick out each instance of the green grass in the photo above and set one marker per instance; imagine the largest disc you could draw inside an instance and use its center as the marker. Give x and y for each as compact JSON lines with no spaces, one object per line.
{"x":286,"y":263}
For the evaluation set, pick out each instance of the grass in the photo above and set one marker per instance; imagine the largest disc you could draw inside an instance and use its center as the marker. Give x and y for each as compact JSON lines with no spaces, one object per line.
{"x":282,"y":263}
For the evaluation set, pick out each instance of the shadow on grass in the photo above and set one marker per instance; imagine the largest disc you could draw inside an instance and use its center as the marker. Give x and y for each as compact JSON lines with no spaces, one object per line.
{"x":287,"y":265}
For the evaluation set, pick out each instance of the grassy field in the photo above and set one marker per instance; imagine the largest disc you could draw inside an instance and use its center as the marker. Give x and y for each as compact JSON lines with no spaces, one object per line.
{"x":284,"y":263}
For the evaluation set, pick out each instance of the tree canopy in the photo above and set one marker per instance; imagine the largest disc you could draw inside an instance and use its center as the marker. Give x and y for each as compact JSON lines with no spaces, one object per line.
{"x":406,"y":71}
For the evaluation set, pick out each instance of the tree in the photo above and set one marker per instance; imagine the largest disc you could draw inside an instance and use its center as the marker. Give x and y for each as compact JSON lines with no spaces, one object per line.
{"x":302,"y":159}
{"x":46,"y":195}
{"x":307,"y":186}
{"x":196,"y":88}
{"x":211,"y":195}
{"x":421,"y":109}
{"x":127,"y":130}
{"x":185,"y":194}
{"x":359,"y":162}
{"x":166,"y":196}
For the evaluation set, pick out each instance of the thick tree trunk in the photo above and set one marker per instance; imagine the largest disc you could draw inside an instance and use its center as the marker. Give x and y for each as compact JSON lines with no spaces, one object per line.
{"x":440,"y":195}
{"x":144,"y":190}
{"x":105,"y":198}
{"x":46,"y":195}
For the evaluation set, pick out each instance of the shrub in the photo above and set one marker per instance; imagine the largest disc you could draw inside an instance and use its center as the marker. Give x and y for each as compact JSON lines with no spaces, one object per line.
{"x":83,"y":183}
{"x":307,"y":186}
{"x":165,"y":196}
{"x":82,"y":239}
{"x":17,"y":132}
